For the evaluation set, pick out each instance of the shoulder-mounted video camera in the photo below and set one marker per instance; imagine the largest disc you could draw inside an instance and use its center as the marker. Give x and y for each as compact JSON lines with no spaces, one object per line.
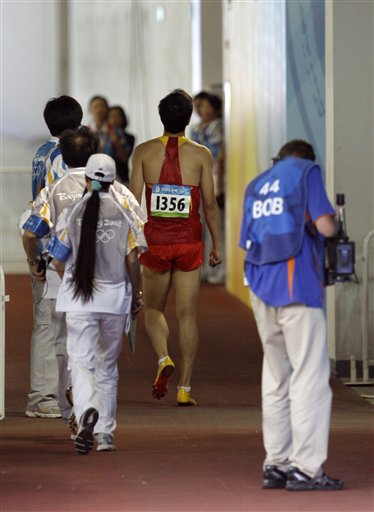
{"x":339,"y":251}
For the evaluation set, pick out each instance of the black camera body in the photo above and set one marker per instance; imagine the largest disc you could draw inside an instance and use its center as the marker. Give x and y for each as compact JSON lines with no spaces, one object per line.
{"x":339,"y":251}
{"x":340,"y":257}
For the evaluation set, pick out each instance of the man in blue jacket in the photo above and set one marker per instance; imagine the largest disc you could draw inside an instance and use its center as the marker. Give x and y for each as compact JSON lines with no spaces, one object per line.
{"x":286,"y":216}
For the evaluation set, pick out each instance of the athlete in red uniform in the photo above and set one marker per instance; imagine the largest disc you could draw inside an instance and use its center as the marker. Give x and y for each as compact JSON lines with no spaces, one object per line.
{"x":175,"y":172}
{"x":173,"y":230}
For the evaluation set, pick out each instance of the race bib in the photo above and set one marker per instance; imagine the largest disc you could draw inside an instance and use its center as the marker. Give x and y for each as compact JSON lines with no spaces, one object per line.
{"x":170,"y":201}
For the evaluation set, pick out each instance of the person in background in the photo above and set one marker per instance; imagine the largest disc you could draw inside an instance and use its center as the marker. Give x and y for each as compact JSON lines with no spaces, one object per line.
{"x":59,"y":114}
{"x":209,"y":133}
{"x":97,"y":253}
{"x":286,"y":216}
{"x":122,"y":142}
{"x":176,"y":173}
{"x":196,"y":117}
{"x":99,"y":107}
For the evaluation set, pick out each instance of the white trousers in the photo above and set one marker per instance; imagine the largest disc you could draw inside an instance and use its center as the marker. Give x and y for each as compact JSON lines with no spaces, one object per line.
{"x":296,"y":396}
{"x":43,"y":367}
{"x":94,"y":343}
{"x":48,"y":381}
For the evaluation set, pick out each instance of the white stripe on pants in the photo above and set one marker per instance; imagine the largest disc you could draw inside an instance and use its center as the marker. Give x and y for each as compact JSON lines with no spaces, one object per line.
{"x":296,"y":396}
{"x":94,"y":343}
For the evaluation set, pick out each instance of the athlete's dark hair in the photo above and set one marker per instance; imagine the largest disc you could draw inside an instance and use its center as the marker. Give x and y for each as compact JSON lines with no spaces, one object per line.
{"x":61,"y":114}
{"x":175,"y":111}
{"x":77,"y":146}
{"x":296,"y":147}
{"x":84,"y":267}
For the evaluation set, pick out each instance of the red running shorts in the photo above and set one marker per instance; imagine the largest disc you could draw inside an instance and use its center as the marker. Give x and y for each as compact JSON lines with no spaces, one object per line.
{"x":185,"y":257}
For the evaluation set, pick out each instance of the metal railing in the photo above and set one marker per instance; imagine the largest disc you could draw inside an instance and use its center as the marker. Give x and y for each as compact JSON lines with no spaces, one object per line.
{"x":3,"y":298}
{"x":366,"y":362}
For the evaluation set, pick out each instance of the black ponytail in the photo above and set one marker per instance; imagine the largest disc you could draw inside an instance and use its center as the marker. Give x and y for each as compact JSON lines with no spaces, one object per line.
{"x":84,"y":268}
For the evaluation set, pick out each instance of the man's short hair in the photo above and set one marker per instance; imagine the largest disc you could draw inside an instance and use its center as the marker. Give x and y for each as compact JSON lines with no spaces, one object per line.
{"x":175,"y":111}
{"x":297,"y":147}
{"x":62,"y":113}
{"x":77,"y":146}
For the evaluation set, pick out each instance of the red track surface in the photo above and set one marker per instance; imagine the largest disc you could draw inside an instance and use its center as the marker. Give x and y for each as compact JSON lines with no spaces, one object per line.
{"x":169,"y":458}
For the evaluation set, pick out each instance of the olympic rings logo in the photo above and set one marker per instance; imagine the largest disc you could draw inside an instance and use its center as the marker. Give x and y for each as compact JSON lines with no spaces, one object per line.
{"x":104,"y":235}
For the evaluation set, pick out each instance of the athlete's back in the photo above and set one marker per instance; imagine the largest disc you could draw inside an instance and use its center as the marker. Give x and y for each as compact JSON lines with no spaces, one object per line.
{"x":193,"y":158}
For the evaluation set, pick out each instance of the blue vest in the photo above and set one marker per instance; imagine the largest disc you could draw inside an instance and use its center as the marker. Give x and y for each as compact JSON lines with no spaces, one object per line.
{"x":274,"y":212}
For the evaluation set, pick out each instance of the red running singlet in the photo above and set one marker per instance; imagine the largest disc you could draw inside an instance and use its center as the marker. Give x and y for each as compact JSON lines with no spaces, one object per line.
{"x":176,"y":230}
{"x":174,"y":241}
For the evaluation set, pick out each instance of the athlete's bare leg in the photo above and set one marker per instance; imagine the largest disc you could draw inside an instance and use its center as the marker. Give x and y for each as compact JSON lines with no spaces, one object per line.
{"x":156,"y":287}
{"x":187,"y":286}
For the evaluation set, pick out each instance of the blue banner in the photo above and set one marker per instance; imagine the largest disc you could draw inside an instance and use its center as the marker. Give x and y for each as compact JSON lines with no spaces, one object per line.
{"x":305,"y":31}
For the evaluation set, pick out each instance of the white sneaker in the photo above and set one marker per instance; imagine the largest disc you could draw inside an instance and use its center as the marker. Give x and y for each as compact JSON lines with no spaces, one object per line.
{"x":45,"y":411}
{"x":215,"y":279}
{"x":105,"y":443}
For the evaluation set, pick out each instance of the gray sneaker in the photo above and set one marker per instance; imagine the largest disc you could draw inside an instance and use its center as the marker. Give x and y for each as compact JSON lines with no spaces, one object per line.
{"x":44,"y":410}
{"x":105,"y":443}
{"x":299,"y":481}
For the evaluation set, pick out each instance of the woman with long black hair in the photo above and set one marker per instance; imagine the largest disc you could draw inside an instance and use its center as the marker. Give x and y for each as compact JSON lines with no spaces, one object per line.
{"x":100,"y":290}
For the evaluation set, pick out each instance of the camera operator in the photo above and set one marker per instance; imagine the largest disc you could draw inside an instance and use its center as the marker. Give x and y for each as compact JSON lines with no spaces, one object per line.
{"x":286,"y":216}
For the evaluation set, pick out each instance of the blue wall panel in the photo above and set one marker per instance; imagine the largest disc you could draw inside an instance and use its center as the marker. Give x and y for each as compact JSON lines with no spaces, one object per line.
{"x":305,"y":31}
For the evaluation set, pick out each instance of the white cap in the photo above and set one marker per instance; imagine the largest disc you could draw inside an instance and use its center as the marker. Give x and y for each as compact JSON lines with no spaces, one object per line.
{"x":101,"y":167}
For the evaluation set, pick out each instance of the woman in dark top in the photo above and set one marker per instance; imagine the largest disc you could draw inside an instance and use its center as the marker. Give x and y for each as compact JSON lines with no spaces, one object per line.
{"x":122,"y":142}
